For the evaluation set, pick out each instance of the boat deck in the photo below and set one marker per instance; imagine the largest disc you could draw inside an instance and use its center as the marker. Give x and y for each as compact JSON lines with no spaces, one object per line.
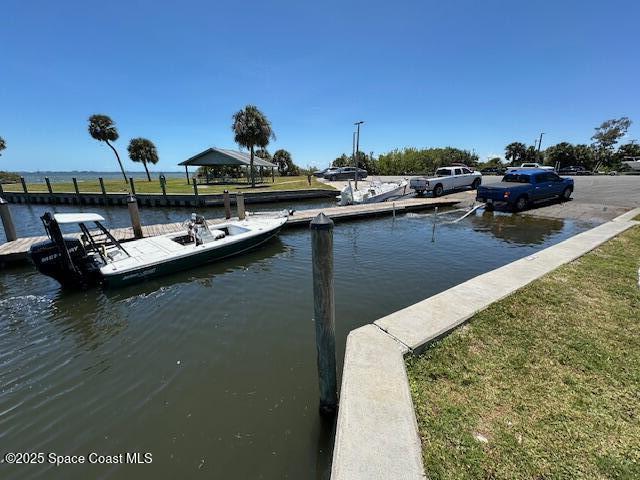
{"x":17,"y":250}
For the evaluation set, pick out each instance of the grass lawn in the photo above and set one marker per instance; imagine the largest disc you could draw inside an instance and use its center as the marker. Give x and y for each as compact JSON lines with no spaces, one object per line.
{"x":174,"y":185}
{"x":543,"y":384}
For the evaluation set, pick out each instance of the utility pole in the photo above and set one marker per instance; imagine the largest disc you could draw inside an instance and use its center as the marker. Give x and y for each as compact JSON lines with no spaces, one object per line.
{"x":540,"y":141}
{"x":357,"y":124}
{"x":353,"y":154}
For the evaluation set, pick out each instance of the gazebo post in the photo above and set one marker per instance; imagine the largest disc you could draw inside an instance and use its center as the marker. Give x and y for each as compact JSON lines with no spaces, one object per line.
{"x":273,"y":175}
{"x":186,"y":170}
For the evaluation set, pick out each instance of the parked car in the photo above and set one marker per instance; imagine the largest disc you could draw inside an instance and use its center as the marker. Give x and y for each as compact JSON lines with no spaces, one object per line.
{"x":574,"y":170}
{"x":345,"y":173}
{"x":530,"y":166}
{"x":321,"y":173}
{"x":493,"y":171}
{"x":446,"y":179}
{"x":522,"y":188}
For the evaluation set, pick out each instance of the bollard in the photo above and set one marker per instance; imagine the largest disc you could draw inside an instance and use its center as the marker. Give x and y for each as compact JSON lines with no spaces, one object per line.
{"x":394,"y":210}
{"x":134,"y":213}
{"x":24,"y":185}
{"x":104,"y":191}
{"x":227,"y":204}
{"x":7,"y":221}
{"x":195,"y":190}
{"x":435,"y":219}
{"x":46,"y":180}
{"x":324,"y":311}
{"x":133,"y":187}
{"x":75,"y":186}
{"x":240,"y":205}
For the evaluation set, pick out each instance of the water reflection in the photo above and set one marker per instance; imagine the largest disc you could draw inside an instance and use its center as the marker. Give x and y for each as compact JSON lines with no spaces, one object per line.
{"x":516,"y":229}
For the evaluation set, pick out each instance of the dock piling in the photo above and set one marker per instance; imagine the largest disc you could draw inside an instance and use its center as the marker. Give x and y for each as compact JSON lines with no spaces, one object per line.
{"x":46,"y":180}
{"x":195,"y":190}
{"x":227,"y":204}
{"x":435,"y":220}
{"x":7,"y":221}
{"x":394,"y":210}
{"x":324,"y":311}
{"x":103,"y":190}
{"x":134,"y":213}
{"x":240,"y":205}
{"x":75,"y":187}
{"x":133,"y":186}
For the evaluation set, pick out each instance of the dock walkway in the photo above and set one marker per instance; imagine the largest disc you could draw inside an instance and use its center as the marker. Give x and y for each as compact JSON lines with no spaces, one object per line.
{"x":17,"y":250}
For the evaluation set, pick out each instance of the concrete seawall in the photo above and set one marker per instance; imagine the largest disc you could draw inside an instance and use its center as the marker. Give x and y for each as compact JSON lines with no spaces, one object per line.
{"x":376,"y":433}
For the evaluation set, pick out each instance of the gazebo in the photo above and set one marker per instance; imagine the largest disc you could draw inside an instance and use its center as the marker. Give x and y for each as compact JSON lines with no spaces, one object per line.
{"x":220,"y":157}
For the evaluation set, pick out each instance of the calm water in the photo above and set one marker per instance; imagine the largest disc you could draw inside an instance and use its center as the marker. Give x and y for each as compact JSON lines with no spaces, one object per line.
{"x":213,"y":371}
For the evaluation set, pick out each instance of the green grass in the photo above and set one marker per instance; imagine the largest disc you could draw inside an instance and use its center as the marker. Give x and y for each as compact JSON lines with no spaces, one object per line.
{"x":549,"y":376}
{"x":174,"y":185}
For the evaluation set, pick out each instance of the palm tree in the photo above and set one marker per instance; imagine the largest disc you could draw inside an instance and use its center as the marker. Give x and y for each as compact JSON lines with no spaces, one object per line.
{"x":143,"y":151}
{"x":3,"y":144}
{"x":515,"y":152}
{"x":282,"y":158}
{"x":251,"y":129}
{"x":102,"y":128}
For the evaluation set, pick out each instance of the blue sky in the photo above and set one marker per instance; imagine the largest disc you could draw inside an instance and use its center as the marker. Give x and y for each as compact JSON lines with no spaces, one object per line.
{"x":471,"y":74}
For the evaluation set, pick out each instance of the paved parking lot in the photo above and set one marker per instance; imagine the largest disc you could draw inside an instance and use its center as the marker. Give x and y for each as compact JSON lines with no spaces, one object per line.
{"x":596,"y":198}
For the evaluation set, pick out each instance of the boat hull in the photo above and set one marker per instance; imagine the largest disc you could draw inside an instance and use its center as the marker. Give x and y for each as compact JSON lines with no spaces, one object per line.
{"x":131,"y":277}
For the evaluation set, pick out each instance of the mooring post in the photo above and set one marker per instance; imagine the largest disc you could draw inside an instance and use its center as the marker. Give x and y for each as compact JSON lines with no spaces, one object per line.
{"x":7,"y":221}
{"x":75,"y":187}
{"x":163,"y":186}
{"x":1,"y":189}
{"x":435,"y":220}
{"x":104,"y":190}
{"x":132,"y":185}
{"x":240,"y":205}
{"x":394,"y":210}
{"x":324,"y":311}
{"x":24,"y":185}
{"x":227,"y":204}
{"x":195,"y":190}
{"x":46,"y":180}
{"x":134,"y":213}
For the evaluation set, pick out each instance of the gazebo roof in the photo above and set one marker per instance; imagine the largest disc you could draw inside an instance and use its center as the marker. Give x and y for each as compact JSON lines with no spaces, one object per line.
{"x":213,"y":157}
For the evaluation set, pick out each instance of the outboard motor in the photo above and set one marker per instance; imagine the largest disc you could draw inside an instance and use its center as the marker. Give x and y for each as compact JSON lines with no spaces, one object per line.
{"x":64,"y":259}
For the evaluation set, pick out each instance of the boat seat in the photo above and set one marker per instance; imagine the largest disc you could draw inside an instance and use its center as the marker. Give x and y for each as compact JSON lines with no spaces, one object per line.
{"x":217,"y":234}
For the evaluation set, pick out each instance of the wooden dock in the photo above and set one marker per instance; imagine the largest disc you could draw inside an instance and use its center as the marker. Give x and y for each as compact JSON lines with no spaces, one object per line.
{"x":17,"y":250}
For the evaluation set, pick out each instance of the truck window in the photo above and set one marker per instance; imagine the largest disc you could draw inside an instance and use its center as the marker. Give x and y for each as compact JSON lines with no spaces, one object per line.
{"x":458,"y":171}
{"x":466,"y":171}
{"x":443,"y":172}
{"x":516,"y":178}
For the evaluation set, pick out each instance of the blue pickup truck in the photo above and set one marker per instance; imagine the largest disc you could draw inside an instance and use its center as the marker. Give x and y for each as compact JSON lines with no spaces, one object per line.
{"x":521,"y":188}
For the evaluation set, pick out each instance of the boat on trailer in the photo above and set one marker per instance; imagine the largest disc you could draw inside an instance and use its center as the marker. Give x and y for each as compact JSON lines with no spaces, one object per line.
{"x":95,"y":257}
{"x":374,"y":192}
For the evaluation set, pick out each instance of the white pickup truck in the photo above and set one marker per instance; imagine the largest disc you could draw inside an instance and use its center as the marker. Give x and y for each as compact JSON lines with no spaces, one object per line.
{"x":446,"y":178}
{"x":529,"y":166}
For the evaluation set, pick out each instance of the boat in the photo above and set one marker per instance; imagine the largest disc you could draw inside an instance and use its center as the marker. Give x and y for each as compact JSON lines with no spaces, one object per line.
{"x":94,"y":257}
{"x":373,"y":192}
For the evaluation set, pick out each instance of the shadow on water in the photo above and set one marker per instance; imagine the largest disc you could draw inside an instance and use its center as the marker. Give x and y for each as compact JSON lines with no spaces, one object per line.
{"x":516,"y":229}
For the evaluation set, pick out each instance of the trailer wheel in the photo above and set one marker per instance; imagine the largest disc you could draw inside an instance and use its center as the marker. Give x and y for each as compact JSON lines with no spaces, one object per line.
{"x":489,"y":207}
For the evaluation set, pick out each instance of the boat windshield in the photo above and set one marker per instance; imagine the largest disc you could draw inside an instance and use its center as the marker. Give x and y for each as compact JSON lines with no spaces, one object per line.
{"x":516,"y":178}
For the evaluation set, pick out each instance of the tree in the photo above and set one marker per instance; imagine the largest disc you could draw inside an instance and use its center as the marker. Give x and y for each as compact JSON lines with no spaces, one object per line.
{"x":626,"y":152}
{"x":584,"y":156}
{"x":251,"y":129}
{"x":264,"y":154}
{"x":283,"y":159}
{"x":607,"y":135}
{"x":143,"y":151}
{"x":102,"y":128}
{"x":563,"y":152}
{"x":3,"y":145}
{"x":341,"y":161}
{"x":515,"y":152}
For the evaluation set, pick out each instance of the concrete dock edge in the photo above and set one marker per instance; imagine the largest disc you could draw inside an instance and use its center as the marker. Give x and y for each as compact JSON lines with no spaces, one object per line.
{"x":376,"y":433}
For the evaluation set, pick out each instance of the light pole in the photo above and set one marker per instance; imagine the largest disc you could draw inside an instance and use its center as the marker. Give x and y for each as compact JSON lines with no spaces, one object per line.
{"x":357,"y":124}
{"x":540,"y":141}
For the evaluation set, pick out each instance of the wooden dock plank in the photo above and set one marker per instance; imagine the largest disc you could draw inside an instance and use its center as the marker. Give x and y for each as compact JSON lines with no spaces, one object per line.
{"x":17,"y":250}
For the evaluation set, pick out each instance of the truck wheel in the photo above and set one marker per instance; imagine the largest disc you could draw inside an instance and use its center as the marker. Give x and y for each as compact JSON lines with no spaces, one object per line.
{"x":520,"y":204}
{"x":475,"y":184}
{"x":566,"y":195}
{"x":438,"y":190}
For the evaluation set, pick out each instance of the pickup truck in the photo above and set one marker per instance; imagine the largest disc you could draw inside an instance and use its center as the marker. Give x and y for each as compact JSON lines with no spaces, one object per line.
{"x":521,"y":188}
{"x":530,"y":166}
{"x":446,"y":178}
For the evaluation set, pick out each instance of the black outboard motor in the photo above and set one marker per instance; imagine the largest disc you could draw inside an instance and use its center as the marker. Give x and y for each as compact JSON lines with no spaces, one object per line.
{"x":64,"y":259}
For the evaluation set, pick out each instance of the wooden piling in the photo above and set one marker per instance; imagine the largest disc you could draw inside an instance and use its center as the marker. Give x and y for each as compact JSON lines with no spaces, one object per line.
{"x":134,"y":213}
{"x":7,"y":221}
{"x":46,"y":180}
{"x":195,"y":190}
{"x":435,"y":220}
{"x":227,"y":204}
{"x":133,"y":186}
{"x":75,"y":187}
{"x":324,"y":311}
{"x":240,"y":205}
{"x":104,"y":190}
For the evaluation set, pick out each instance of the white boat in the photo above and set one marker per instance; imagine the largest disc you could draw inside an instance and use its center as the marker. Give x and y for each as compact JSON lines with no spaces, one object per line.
{"x":372,"y":192}
{"x":95,"y":257}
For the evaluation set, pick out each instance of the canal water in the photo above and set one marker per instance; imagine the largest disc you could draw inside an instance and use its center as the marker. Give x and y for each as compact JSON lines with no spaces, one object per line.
{"x":213,"y":371}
